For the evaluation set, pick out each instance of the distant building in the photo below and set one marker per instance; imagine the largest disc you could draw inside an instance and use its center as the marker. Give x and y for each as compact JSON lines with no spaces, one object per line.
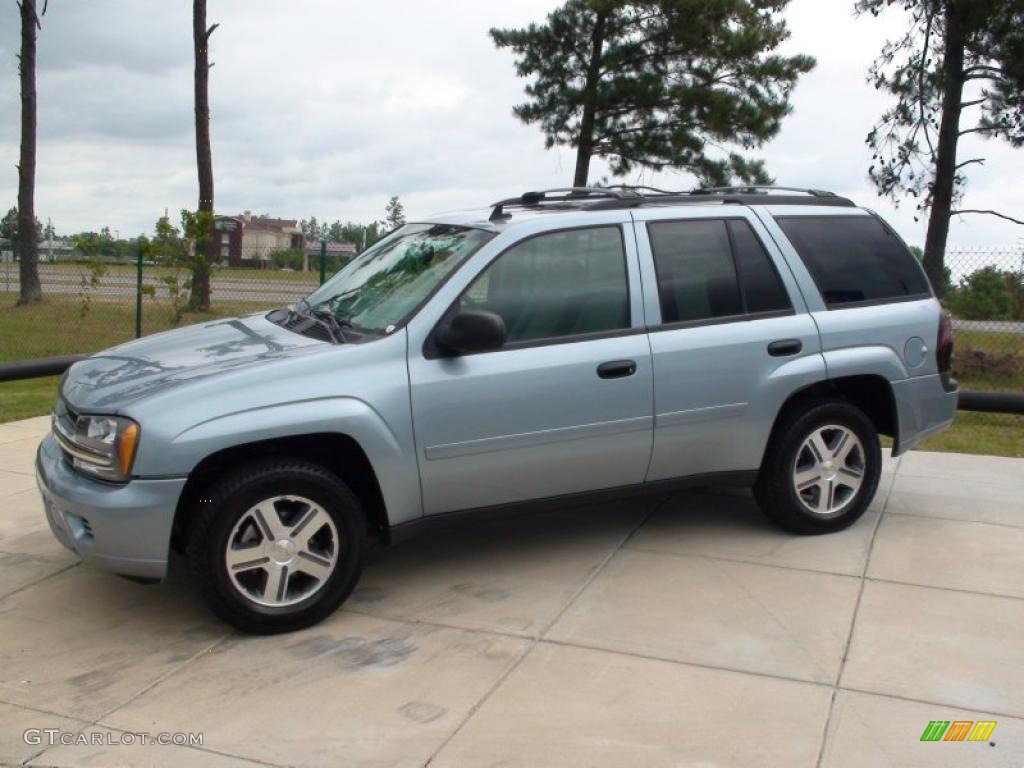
{"x":345,"y":250}
{"x":248,"y":240}
{"x":53,"y":249}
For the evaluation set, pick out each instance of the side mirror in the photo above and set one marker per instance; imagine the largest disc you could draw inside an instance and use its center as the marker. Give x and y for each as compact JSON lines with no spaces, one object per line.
{"x":472,"y":331}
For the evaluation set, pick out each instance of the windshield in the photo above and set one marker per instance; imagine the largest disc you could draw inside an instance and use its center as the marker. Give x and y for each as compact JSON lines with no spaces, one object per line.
{"x":383,"y":285}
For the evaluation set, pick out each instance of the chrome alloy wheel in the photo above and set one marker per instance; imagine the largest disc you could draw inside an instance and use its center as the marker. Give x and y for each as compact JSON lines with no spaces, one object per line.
{"x":829,"y":470}
{"x":281,"y":551}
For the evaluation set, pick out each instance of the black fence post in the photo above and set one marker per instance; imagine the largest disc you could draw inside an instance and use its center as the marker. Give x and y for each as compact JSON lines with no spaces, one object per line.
{"x":138,"y":290}
{"x":323,"y":260}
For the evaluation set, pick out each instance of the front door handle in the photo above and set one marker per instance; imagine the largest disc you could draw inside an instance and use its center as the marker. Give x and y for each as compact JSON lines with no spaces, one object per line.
{"x":784,"y":347}
{"x":616,"y":369}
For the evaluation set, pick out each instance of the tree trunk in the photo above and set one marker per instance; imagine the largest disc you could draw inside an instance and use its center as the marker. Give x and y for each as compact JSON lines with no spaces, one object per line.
{"x":200,"y":289}
{"x":28,"y":248}
{"x":945,"y":155}
{"x":585,"y":146}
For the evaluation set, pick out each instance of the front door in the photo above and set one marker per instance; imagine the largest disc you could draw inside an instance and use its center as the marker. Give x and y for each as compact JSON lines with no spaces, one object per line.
{"x":567,"y":404}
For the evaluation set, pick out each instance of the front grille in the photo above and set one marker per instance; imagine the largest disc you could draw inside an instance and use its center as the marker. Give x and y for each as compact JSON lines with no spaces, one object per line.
{"x":86,"y":526}
{"x":65,"y":421}
{"x":64,"y":424}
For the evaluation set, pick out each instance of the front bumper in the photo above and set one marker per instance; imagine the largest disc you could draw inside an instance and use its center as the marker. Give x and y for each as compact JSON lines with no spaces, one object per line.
{"x":121,"y":528}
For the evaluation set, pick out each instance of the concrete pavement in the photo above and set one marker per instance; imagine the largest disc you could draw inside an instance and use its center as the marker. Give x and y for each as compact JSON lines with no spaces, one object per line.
{"x":676,"y":631}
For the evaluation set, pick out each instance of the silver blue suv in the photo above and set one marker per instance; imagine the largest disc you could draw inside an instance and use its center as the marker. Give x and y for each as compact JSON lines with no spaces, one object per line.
{"x":556,"y":344}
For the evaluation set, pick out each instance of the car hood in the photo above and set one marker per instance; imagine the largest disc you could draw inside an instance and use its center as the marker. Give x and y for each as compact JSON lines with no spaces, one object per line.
{"x":116,"y":377}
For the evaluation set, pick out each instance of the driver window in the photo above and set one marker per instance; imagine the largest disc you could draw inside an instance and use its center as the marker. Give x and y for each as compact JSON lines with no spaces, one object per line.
{"x":556,"y":285}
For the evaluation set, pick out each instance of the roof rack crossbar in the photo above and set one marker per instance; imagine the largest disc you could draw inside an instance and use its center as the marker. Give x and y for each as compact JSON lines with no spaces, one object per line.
{"x":562,"y":194}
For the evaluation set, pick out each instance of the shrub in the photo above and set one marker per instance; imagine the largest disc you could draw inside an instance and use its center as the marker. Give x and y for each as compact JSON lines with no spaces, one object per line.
{"x":291,"y":259}
{"x":986,"y":294}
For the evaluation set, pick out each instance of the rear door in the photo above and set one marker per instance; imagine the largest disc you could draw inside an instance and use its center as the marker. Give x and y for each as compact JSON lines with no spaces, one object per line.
{"x":567,"y":405}
{"x":730,"y":336}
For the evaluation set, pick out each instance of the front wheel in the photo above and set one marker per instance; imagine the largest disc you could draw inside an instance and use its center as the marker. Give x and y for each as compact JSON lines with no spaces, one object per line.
{"x":821,"y":469}
{"x":278,"y":545}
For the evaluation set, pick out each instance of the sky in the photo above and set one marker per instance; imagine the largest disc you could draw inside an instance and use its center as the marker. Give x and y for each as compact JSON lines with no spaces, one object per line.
{"x":329,"y":107}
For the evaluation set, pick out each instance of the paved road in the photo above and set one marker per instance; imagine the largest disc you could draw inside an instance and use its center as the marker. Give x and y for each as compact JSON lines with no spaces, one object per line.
{"x":1002,"y":326}
{"x":226,"y":287}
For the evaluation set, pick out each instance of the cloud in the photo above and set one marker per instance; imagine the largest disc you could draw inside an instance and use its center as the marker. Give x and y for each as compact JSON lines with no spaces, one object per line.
{"x":328,"y":107}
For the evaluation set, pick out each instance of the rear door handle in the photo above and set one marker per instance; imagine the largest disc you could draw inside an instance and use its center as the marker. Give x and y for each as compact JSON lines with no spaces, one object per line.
{"x":616,"y":369}
{"x":784,"y":347}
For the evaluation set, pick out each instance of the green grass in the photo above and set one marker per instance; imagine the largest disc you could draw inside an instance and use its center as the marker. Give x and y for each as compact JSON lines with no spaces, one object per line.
{"x":991,"y":343}
{"x":25,"y":399}
{"x":993,"y":434}
{"x":57,"y":326}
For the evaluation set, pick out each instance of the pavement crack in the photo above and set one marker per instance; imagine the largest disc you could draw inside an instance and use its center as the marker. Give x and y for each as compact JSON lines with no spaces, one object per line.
{"x":40,"y":580}
{"x":853,"y":619}
{"x":169,"y":673}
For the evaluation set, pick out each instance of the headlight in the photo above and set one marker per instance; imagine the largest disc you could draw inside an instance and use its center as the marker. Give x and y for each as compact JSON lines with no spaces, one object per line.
{"x":103,"y":446}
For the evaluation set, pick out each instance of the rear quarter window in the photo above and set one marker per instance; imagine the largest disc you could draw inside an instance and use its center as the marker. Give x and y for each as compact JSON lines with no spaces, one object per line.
{"x":855,"y":259}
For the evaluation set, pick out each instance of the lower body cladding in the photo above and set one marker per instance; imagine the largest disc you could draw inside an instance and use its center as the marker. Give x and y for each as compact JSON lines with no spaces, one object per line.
{"x":925,"y":405}
{"x":121,"y":528}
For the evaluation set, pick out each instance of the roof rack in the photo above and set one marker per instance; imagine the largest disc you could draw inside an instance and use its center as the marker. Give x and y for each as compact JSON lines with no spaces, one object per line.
{"x":750,"y":189}
{"x":558,"y":194}
{"x":622,"y":196}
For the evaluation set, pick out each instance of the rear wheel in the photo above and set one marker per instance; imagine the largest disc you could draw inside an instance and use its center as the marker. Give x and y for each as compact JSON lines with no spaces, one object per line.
{"x":277,"y":546}
{"x":821,"y":469}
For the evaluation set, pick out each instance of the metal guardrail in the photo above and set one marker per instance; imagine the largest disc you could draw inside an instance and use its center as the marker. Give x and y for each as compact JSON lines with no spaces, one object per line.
{"x":983,"y":402}
{"x":991,"y":402}
{"x":34,"y":369}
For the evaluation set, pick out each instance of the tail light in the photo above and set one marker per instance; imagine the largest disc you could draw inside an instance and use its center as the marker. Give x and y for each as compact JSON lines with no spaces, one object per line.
{"x":944,"y":345}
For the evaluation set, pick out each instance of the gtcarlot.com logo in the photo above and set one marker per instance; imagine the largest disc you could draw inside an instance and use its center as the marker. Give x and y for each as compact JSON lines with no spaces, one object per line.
{"x":51,"y":737}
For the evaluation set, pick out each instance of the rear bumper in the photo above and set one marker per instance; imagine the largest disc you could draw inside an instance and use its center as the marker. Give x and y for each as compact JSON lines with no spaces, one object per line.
{"x":924,"y":405}
{"x":121,"y":528}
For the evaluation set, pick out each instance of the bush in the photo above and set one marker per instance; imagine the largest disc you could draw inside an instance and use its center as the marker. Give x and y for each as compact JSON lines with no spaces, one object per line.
{"x":290,"y":259}
{"x":988,"y":294}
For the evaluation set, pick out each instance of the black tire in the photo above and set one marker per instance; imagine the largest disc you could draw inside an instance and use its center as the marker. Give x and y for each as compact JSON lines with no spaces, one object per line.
{"x":231,"y":498}
{"x":775,"y":488}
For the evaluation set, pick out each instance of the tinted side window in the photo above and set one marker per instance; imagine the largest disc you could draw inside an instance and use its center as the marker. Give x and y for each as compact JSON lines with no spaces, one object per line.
{"x":560,"y":284}
{"x":762,"y":289}
{"x":696,"y":273}
{"x":854,"y":258}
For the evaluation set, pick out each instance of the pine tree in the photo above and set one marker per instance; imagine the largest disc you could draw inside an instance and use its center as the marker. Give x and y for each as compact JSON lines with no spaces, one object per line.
{"x":394,"y":213}
{"x":955,"y":56}
{"x":28,"y":240}
{"x":199,"y":297}
{"x":686,"y":84}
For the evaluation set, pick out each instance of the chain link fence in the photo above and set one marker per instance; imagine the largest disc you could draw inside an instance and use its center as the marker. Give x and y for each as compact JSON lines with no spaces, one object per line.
{"x":92,"y":305}
{"x":984,"y":291}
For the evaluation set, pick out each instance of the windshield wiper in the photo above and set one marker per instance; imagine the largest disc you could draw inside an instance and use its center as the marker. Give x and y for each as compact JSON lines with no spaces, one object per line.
{"x":332,"y":322}
{"x":323,"y":318}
